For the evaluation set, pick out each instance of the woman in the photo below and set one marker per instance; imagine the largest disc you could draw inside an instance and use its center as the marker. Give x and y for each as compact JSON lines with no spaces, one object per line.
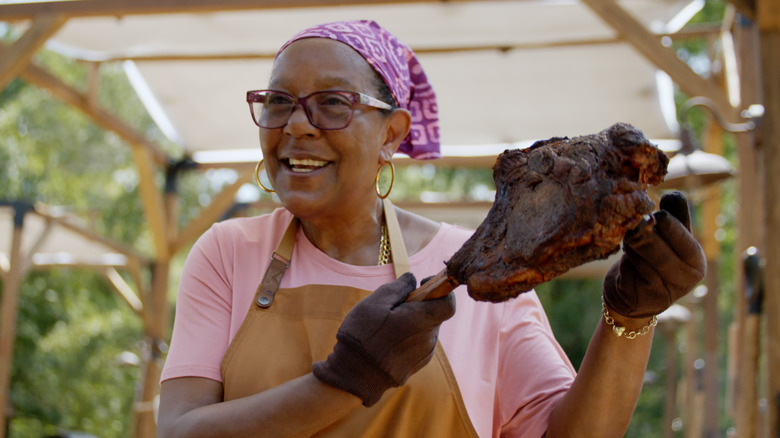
{"x":312,"y":351}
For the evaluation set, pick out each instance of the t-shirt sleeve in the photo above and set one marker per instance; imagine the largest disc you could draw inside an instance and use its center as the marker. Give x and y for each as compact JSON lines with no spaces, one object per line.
{"x":524,"y":406}
{"x":203,"y":312}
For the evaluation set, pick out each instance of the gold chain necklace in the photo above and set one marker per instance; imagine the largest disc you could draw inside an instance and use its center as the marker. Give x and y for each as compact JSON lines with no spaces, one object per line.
{"x":384,"y":247}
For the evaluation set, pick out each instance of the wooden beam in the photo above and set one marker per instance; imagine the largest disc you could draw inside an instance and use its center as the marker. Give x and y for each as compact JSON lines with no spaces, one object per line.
{"x":156,"y":318}
{"x":210,"y":214}
{"x":152,"y":201}
{"x":710,"y":209}
{"x":769,"y":135}
{"x":124,"y":290}
{"x":205,"y":56}
{"x":8,"y":314}
{"x":768,"y":13}
{"x":461,"y":162}
{"x":16,"y":58}
{"x":26,"y":259}
{"x":664,"y":58}
{"x":91,"y":235}
{"x":136,"y":270}
{"x":93,"y":84}
{"x":696,"y":31}
{"x":145,"y":153}
{"x":118,"y":8}
{"x":42,"y":78}
{"x":746,"y":8}
{"x":5,"y":266}
{"x":750,"y":225}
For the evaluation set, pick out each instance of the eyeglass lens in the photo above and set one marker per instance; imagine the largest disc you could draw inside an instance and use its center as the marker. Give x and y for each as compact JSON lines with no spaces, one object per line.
{"x":324,"y":109}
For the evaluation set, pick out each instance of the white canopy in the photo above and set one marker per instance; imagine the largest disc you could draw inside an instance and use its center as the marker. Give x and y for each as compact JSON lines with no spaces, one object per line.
{"x":506,"y":72}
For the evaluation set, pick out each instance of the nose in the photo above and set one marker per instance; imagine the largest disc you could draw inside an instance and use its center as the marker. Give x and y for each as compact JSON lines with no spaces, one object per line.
{"x":299,"y":124}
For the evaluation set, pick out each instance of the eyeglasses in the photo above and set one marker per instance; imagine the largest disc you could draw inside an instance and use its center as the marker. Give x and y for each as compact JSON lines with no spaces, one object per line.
{"x":327,"y":110}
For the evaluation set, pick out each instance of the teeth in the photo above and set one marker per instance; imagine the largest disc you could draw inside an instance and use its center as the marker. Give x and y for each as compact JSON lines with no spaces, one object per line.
{"x":305,"y":165}
{"x":306,"y":162}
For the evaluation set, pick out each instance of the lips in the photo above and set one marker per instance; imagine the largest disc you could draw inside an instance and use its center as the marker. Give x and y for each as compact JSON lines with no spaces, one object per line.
{"x":305,"y":165}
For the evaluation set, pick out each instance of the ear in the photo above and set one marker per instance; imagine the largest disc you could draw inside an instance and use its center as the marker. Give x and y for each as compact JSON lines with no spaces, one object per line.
{"x":397,"y":126}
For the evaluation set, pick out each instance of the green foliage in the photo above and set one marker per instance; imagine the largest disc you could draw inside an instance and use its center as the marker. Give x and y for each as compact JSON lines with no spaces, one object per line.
{"x":67,"y":373}
{"x":712,"y":12}
{"x":71,"y":326}
{"x":451,"y":184}
{"x":573,"y":308}
{"x":55,"y":155}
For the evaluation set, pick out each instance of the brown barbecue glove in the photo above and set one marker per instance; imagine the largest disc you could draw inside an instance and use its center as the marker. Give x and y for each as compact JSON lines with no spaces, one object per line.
{"x":658,"y":266}
{"x":384,"y":340}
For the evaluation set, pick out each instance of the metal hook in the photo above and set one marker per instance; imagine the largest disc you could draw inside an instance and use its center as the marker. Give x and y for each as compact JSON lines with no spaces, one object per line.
{"x":753,"y":112}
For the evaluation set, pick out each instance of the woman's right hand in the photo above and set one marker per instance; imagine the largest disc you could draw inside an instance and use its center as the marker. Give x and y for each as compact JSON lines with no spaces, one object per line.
{"x":384,"y":340}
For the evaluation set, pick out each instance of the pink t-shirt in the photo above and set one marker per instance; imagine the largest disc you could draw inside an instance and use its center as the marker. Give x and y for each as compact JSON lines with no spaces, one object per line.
{"x":509,"y":367}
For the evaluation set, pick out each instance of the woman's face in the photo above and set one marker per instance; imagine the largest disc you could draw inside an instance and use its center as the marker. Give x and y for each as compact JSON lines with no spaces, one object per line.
{"x":319,"y":172}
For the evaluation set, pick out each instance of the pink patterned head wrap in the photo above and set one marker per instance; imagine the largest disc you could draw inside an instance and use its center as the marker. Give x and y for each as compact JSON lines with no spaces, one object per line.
{"x":398,"y":66}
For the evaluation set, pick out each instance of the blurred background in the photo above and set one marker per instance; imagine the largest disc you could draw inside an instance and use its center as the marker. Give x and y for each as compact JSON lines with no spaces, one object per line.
{"x":124,"y":134}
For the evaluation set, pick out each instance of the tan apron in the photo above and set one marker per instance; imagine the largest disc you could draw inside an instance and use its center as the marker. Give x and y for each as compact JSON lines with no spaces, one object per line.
{"x":287,"y":330}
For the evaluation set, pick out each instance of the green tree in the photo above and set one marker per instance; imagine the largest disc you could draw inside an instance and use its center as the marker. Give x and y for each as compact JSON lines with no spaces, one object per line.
{"x":76,"y":340}
{"x":75,"y":357}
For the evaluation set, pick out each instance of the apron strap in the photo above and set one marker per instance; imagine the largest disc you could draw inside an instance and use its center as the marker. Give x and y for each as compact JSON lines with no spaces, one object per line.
{"x":397,"y":245}
{"x":280,"y":260}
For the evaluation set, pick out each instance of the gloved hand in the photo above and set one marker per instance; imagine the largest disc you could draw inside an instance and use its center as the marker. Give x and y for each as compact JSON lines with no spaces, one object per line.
{"x":658,"y":266}
{"x":384,"y":340}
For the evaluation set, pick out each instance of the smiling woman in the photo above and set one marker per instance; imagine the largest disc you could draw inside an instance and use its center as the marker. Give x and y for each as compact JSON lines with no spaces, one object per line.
{"x":287,"y":323}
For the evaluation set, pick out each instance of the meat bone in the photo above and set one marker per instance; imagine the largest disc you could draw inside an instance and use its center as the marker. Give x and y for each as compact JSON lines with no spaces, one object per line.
{"x":442,"y":284}
{"x":436,"y":287}
{"x":559,"y":204}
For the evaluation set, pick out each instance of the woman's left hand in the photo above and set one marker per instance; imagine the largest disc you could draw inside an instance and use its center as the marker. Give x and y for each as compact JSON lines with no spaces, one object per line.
{"x":659,"y":266}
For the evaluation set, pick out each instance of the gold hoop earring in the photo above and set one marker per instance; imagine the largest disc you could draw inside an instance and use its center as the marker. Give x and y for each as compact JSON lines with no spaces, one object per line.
{"x":392,"y":180}
{"x":257,"y":177}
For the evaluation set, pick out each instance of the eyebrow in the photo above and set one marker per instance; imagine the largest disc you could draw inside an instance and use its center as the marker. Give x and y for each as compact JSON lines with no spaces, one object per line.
{"x":325,"y":83}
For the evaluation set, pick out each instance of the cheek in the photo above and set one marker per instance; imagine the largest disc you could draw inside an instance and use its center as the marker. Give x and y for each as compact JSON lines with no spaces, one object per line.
{"x":266,"y":139}
{"x":367,"y":136}
{"x":267,"y":147}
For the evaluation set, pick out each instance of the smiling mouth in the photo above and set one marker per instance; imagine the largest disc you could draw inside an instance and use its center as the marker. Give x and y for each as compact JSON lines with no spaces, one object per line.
{"x":305,"y":165}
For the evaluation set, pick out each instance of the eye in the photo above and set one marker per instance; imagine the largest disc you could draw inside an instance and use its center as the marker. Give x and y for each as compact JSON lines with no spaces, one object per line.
{"x":333,"y":99}
{"x":278,"y":99}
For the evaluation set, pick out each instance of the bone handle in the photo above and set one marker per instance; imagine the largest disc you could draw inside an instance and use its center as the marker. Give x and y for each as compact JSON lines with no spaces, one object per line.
{"x":440,"y":285}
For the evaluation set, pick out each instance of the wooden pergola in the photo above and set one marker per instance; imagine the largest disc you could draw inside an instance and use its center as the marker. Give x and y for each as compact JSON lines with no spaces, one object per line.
{"x":753,"y":27}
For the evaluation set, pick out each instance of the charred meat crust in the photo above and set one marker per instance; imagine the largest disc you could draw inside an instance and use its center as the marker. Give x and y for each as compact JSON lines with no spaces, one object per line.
{"x":559,"y":203}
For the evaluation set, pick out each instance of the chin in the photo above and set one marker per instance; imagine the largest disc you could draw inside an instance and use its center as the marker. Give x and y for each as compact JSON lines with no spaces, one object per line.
{"x":302,"y":204}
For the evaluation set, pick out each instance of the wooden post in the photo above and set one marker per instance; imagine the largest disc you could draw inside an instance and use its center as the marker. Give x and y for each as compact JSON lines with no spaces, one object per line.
{"x":711,"y":352}
{"x":9,"y":311}
{"x":694,"y":396}
{"x":710,"y":211}
{"x":768,"y":17}
{"x":748,"y":414}
{"x":156,"y":310}
{"x":750,"y":225}
{"x":769,"y":131}
{"x":669,"y":332}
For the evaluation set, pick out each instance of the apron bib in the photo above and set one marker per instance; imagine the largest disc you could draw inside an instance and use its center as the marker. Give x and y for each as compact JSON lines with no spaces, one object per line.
{"x":287,"y":330}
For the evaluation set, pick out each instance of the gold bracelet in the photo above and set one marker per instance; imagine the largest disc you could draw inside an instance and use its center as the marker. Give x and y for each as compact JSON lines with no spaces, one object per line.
{"x":620,"y":330}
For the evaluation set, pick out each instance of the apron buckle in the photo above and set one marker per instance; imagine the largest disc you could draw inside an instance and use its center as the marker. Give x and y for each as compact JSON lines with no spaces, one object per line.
{"x":267,"y":288}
